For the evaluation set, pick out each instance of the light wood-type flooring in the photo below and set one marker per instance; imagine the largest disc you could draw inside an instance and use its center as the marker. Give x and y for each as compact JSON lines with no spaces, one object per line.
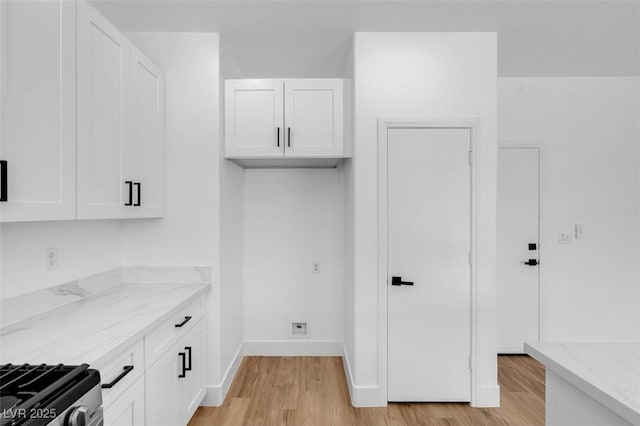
{"x":312,"y":391}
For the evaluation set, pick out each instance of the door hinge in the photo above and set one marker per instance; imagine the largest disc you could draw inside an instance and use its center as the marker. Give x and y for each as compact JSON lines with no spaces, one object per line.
{"x":471,"y":158}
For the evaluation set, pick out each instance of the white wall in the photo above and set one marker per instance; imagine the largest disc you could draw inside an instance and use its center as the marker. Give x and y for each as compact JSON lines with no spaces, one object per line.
{"x":189,"y":233}
{"x":291,"y":219}
{"x":421,"y":75}
{"x":588,"y":131}
{"x":84,"y":248}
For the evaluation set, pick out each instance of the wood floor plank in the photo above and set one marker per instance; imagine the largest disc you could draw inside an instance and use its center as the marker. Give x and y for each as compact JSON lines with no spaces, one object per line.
{"x":312,"y":391}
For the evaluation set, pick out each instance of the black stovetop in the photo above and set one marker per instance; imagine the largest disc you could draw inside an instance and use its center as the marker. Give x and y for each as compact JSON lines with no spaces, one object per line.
{"x":36,"y":394}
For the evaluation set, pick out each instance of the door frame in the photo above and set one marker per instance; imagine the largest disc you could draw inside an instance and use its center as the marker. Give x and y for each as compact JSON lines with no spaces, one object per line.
{"x":384,"y":124}
{"x":525,"y":144}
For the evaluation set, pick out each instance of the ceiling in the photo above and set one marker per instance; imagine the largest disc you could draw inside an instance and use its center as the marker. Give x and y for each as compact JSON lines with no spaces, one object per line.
{"x":312,"y":38}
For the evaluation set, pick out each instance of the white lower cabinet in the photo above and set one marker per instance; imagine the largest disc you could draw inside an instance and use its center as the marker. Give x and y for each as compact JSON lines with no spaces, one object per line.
{"x":129,"y":408}
{"x":159,"y":380}
{"x":175,"y":383}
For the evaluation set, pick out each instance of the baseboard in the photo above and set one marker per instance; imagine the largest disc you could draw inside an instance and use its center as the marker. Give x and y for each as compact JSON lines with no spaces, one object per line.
{"x":292,"y":348}
{"x":488,"y":396}
{"x":361,"y":396}
{"x":216,"y":394}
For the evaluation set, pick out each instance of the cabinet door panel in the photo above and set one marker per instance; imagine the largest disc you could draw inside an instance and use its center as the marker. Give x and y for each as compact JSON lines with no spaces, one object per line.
{"x":103,"y":132}
{"x":313,"y":118}
{"x":128,"y":408}
{"x":193,"y":385}
{"x":147,"y":135}
{"x":38,"y":70}
{"x":163,"y":395}
{"x":253,"y":115}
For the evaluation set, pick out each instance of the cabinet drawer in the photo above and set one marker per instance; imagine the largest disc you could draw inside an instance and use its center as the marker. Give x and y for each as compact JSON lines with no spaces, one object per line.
{"x":159,"y":340}
{"x":128,"y":408}
{"x":109,"y":373}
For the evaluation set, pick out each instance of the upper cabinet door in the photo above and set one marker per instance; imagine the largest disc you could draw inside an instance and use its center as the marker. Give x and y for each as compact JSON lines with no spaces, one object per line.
{"x":103,"y":130}
{"x":147,"y":136}
{"x":254,"y":118}
{"x":313,"y":118}
{"x":37,"y":110}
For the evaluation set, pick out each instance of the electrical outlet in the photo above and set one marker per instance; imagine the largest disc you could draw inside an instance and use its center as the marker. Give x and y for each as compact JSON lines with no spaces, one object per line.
{"x":564,"y":237}
{"x":315,"y":267}
{"x":52,"y":258}
{"x":579,"y":231}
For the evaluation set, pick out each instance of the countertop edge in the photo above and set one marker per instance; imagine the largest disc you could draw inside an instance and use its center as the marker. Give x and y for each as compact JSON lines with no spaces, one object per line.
{"x":140,"y":333}
{"x":585,"y":386}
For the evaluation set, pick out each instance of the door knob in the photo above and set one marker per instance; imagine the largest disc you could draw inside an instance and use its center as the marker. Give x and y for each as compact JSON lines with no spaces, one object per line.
{"x":531,"y":262}
{"x":398,"y":281}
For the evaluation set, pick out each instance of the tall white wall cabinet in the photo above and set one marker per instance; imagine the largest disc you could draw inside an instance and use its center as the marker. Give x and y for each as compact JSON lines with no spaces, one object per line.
{"x":82,"y":117}
{"x":38,"y":110}
{"x":285,"y":122}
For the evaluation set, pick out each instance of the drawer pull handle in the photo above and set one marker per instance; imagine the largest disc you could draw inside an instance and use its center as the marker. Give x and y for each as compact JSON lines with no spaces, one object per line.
{"x":184,"y":367}
{"x":188,"y":350}
{"x":125,"y":370}
{"x":186,"y":320}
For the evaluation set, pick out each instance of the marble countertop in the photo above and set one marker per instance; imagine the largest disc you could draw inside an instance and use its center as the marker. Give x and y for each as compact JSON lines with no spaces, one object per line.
{"x":608,"y":372}
{"x":94,"y":328}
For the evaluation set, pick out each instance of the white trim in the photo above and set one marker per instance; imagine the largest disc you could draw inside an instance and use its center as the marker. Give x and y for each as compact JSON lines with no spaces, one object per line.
{"x":216,"y":394}
{"x":293,"y":348}
{"x":524,"y":144}
{"x":361,"y":396}
{"x":478,"y":395}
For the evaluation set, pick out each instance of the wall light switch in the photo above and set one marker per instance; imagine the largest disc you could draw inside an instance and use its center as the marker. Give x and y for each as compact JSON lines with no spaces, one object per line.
{"x":564,"y":237}
{"x":579,"y":232}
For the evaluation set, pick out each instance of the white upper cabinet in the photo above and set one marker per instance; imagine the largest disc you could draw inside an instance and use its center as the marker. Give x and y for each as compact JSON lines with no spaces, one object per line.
{"x":120,"y":124}
{"x":284,"y":122}
{"x":37,"y":110}
{"x":254,"y":120}
{"x":313,"y":118}
{"x":103,"y":113}
{"x":147,"y":136}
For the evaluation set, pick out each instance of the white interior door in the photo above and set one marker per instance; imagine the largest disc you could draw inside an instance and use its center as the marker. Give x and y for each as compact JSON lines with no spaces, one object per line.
{"x":517,"y":228}
{"x":429,"y":240}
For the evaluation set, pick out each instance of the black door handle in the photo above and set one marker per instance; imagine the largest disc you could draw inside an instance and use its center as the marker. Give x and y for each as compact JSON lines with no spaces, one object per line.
{"x":532,"y":262}
{"x":125,"y":370}
{"x":130,"y":202}
{"x":4,"y":196}
{"x":289,"y":137}
{"x":137,"y":185}
{"x":188,"y":349}
{"x":186,"y":320}
{"x":398,"y":281}
{"x":184,"y":367}
{"x":278,"y":139}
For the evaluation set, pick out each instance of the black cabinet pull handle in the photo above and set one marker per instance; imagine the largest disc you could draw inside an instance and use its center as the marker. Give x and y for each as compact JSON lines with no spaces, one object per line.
{"x":184,"y":368}
{"x":137,"y":185}
{"x":4,"y":196}
{"x":188,"y":349}
{"x":531,"y":262}
{"x":278,"y":139}
{"x":130,"y":202}
{"x":125,"y":370}
{"x":398,"y":281}
{"x":289,"y":137}
{"x":186,"y":320}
